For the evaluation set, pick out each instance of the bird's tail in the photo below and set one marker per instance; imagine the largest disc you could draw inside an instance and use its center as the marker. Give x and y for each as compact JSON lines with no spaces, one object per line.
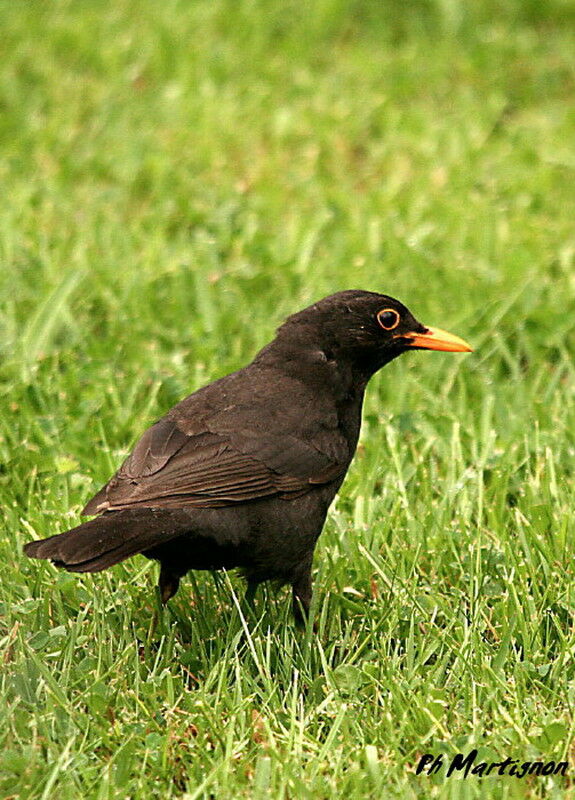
{"x":111,"y":538}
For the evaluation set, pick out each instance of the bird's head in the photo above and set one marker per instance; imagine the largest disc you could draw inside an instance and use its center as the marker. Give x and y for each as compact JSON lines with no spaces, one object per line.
{"x":367,"y":329}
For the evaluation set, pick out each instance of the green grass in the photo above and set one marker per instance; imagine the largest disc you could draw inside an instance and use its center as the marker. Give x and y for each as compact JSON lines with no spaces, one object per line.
{"x":176,"y":178}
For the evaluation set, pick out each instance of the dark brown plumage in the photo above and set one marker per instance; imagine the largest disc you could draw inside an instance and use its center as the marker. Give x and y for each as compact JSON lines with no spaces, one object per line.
{"x":242,"y":472}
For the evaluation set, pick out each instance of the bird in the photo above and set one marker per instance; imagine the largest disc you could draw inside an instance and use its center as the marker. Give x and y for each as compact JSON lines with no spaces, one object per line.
{"x":241,"y":473}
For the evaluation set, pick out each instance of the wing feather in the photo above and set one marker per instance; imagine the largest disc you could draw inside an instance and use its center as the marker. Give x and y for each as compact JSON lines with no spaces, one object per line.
{"x":205,"y":455}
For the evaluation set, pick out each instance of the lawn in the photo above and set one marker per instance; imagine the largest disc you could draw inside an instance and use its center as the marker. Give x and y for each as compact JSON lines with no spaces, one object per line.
{"x":176,"y":178}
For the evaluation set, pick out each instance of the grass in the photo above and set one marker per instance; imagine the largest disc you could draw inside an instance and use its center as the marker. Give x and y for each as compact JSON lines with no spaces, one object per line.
{"x":178,"y":177}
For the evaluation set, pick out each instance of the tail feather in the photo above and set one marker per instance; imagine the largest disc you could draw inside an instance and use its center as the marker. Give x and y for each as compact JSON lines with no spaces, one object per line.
{"x":111,"y":538}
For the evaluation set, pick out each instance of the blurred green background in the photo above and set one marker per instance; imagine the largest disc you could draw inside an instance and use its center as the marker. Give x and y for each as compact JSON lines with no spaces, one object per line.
{"x":175,"y":179}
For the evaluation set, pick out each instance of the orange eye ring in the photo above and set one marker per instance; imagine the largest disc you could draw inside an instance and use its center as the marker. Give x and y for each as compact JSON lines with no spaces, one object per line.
{"x":388,"y":318}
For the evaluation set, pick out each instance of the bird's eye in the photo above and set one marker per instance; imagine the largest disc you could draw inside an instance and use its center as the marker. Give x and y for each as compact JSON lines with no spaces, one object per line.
{"x":388,"y":318}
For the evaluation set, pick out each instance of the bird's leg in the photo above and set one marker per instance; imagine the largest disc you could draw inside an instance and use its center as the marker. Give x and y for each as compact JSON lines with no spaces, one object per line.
{"x":301,"y":592}
{"x":168,"y":584}
{"x":250,"y":594}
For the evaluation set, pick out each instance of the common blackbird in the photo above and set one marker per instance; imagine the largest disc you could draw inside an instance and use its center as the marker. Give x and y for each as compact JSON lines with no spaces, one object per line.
{"x":242,"y":472}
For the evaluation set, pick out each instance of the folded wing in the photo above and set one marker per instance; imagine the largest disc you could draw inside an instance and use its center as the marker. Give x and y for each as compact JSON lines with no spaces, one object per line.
{"x":220,"y":460}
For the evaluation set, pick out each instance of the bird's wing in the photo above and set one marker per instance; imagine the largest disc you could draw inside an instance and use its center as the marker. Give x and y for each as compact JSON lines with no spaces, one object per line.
{"x":221,"y":457}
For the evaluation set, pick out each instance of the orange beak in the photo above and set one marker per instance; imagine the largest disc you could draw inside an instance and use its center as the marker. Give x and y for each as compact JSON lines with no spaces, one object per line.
{"x":436,"y":339}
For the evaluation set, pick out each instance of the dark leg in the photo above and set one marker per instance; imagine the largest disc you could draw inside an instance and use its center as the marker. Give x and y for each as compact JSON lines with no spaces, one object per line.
{"x":301,"y":591}
{"x":250,"y":594}
{"x":168,"y":584}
